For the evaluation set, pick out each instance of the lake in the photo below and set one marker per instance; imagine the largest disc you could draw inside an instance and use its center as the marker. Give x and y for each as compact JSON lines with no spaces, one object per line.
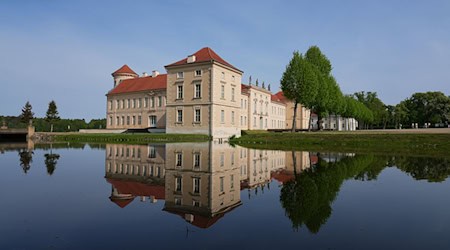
{"x":215,"y":196}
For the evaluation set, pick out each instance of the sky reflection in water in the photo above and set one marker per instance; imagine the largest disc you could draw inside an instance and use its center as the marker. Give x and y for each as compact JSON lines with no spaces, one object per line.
{"x":206,"y":195}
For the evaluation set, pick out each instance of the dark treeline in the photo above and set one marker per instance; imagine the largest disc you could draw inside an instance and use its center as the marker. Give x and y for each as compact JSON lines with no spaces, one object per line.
{"x":60,"y":125}
{"x":308,"y":198}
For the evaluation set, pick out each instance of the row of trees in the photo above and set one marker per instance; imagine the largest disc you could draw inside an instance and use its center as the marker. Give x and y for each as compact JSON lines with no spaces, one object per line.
{"x":51,"y":122}
{"x":421,"y":108}
{"x":308,"y":81}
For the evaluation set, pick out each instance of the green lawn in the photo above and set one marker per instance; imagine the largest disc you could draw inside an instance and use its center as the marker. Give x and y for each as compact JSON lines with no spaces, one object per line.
{"x":137,"y":138}
{"x":404,"y":144}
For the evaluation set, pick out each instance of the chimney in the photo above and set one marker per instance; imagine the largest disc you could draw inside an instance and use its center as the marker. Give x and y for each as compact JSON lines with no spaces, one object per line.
{"x":191,"y":59}
{"x":144,"y":74}
{"x":155,"y":73}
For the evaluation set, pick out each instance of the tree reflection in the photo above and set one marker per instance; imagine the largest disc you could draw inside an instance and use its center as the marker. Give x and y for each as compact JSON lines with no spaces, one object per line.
{"x":50,"y":162}
{"x":424,"y":168}
{"x":26,"y":158}
{"x":308,"y":197}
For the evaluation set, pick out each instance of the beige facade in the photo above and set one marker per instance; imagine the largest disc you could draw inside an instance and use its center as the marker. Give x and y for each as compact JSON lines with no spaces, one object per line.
{"x":214,"y":110}
{"x":302,"y":119}
{"x":137,"y":110}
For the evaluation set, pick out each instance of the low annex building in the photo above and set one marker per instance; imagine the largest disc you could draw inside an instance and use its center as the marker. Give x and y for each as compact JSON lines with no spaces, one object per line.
{"x":200,"y":94}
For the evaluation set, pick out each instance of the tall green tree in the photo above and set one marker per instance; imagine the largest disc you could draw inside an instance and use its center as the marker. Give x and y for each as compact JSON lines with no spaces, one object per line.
{"x":52,"y":114}
{"x":299,"y":83}
{"x":27,"y":113}
{"x":378,"y":108}
{"x":322,"y":68}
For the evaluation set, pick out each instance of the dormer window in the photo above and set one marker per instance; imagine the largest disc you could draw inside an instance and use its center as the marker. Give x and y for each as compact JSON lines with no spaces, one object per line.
{"x":180,"y":75}
{"x":198,"y":72}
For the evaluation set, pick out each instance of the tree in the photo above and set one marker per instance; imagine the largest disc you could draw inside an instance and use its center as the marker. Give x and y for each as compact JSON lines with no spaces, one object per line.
{"x":52,"y":114}
{"x":299,"y":83}
{"x":378,"y":108}
{"x":429,"y":107}
{"x":322,"y":68}
{"x":27,"y":113}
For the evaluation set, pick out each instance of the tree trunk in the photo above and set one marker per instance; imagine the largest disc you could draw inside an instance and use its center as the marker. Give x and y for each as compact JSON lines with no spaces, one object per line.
{"x":319,"y":119}
{"x":294,"y":120}
{"x":309,"y":123}
{"x":51,"y":127}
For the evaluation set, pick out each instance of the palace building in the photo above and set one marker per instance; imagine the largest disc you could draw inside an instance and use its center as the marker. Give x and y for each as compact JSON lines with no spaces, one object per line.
{"x":200,"y":94}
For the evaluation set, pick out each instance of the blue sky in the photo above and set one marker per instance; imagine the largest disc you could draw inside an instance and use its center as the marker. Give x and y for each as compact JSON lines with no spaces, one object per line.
{"x":67,"y":50}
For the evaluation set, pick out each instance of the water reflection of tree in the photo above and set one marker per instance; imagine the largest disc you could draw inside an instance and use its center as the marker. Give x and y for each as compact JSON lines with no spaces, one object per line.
{"x":308,"y":197}
{"x":50,"y":162}
{"x":26,"y":158}
{"x":424,"y":168}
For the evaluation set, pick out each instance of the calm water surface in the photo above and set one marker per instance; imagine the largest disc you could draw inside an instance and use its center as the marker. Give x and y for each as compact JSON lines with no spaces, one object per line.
{"x":214,"y":196}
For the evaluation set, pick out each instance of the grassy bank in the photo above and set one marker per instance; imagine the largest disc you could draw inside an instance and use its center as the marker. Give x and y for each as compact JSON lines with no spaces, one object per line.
{"x":389,"y":143}
{"x":128,"y":138}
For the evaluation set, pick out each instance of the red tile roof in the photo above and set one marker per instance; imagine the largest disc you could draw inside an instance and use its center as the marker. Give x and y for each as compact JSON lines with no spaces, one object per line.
{"x":275,"y":98}
{"x":282,"y":176}
{"x":244,"y":89}
{"x":140,"y":84}
{"x":138,"y":189}
{"x":122,"y":202}
{"x":281,"y":97}
{"x":204,"y":55}
{"x":124,"y":70}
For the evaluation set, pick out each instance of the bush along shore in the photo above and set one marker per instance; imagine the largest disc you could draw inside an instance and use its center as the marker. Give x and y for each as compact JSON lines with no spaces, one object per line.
{"x":378,"y":143}
{"x":141,"y":138}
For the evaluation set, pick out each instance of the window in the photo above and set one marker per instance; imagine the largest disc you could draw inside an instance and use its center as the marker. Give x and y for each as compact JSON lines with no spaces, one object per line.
{"x":223,"y":75}
{"x":123,"y":120}
{"x":195,"y":203}
{"x":145,"y":102}
{"x":151,"y":152}
{"x":222,"y":116}
{"x":198,"y":91}
{"x":117,"y":104}
{"x":232,"y":181}
{"x":221,"y":184}
{"x":222,"y":92}
{"x":152,"y":102}
{"x":180,"y":92}
{"x":242,"y":120}
{"x":133,"y":103}
{"x":196,"y":160}
{"x":196,"y":185}
{"x":197,"y":115}
{"x":117,"y":120}
{"x":242,"y":103}
{"x":179,"y":159}
{"x":198,"y":72}
{"x":179,"y":115}
{"x":232,"y":78}
{"x":254,"y":108}
{"x":139,"y":103}
{"x":254,"y":121}
{"x":110,"y":121}
{"x":128,"y":103}
{"x":232,"y":158}
{"x":178,"y":183}
{"x":152,"y":121}
{"x":232,"y":94}
{"x":159,"y":101}
{"x":110,"y":105}
{"x":180,"y":75}
{"x":139,"y":120}
{"x":222,"y":159}
{"x":128,"y":120}
{"x":232,"y":117}
{"x":134,"y":120}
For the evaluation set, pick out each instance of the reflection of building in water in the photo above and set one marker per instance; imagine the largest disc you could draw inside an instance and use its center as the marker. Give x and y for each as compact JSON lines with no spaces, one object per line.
{"x":202,"y":181}
{"x":198,"y":181}
{"x":135,"y":170}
